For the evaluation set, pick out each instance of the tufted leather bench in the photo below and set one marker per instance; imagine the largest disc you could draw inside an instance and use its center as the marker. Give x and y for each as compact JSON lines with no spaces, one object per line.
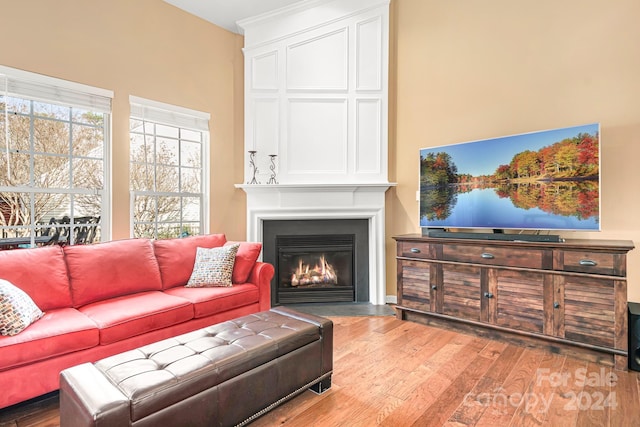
{"x":222,"y":375}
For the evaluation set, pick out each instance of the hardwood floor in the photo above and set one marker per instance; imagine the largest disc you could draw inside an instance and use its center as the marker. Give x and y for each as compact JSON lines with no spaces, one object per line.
{"x":397,"y":373}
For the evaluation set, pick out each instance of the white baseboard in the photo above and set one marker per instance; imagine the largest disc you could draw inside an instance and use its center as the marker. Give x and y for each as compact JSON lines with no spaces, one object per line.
{"x":391,"y":299}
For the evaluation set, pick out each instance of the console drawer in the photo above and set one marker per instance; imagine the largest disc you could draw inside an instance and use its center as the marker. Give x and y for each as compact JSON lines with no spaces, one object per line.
{"x":491,"y":255}
{"x":415,"y":250}
{"x":590,"y":262}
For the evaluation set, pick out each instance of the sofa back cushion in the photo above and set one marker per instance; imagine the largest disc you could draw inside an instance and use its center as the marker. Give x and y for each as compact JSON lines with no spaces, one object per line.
{"x":111,"y":269}
{"x":176,"y":257}
{"x":246,"y":258}
{"x":41,"y":273}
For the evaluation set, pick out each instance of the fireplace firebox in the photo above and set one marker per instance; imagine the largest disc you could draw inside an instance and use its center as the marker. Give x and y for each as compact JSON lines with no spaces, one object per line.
{"x":315,"y":268}
{"x":317,"y":260}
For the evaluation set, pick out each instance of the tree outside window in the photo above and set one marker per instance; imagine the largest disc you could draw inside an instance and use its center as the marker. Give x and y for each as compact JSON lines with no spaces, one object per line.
{"x":166,"y":179}
{"x":52,"y":169}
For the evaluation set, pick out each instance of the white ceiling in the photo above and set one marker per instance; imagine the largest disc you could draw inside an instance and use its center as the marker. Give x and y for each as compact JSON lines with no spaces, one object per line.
{"x":225,"y":13}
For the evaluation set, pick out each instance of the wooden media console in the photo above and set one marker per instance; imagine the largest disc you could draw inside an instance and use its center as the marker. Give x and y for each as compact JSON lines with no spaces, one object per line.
{"x":569,"y":296}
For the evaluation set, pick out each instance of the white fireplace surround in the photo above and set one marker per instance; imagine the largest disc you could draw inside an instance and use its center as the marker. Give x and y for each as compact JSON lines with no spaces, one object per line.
{"x":329,"y":201}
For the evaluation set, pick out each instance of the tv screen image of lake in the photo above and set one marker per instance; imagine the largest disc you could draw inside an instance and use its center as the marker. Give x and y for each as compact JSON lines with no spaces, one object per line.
{"x":547,"y":180}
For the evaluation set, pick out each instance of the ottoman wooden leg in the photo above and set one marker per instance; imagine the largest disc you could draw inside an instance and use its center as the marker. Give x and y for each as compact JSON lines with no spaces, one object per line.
{"x":321,"y":386}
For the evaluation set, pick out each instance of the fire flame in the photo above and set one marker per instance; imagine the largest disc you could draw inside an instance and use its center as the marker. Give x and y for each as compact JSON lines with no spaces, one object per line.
{"x":321,"y":273}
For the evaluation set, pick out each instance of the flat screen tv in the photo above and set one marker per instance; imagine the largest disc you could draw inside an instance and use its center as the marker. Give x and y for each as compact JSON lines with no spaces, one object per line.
{"x":547,"y":180}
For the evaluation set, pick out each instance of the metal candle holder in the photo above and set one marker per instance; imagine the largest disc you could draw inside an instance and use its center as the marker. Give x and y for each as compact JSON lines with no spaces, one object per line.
{"x":272,"y":166}
{"x":254,"y":168}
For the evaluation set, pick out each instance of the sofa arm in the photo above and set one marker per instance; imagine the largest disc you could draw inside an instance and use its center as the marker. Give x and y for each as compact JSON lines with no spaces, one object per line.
{"x":88,"y":399}
{"x":261,"y":276}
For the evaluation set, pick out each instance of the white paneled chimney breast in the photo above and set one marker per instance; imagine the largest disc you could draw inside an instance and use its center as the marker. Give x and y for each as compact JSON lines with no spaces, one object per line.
{"x":316,"y":106}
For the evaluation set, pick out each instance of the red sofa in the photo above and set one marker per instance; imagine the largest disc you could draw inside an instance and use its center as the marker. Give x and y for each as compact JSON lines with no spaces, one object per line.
{"x":103,"y":299}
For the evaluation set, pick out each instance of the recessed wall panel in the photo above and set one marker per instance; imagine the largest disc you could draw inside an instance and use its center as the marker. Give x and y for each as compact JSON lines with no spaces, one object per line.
{"x":265,"y":125}
{"x":264,"y":71}
{"x":266,"y":135}
{"x":317,"y":137}
{"x":369,"y":54}
{"x":368,"y":136}
{"x":320,"y":63}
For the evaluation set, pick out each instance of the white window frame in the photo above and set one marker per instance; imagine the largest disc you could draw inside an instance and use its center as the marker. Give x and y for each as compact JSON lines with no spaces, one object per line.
{"x":41,"y":88}
{"x":180,"y":117}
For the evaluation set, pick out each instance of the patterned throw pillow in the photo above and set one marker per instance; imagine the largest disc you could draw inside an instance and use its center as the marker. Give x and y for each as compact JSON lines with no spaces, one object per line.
{"x":17,"y":309}
{"x":213,"y":267}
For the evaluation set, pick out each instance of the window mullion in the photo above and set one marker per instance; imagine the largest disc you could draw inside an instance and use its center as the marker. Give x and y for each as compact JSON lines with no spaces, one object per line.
{"x":32,"y":145}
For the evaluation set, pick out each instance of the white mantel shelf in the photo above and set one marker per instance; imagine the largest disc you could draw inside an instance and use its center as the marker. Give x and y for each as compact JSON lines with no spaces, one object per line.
{"x":316,"y":187}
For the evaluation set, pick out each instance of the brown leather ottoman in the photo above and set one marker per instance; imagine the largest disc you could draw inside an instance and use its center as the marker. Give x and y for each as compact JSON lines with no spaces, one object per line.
{"x":223,"y":375}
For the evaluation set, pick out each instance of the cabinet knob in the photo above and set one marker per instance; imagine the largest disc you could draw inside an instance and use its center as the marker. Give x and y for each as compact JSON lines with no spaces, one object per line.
{"x":487,"y":255}
{"x":488,"y":295}
{"x":588,"y":263}
{"x":556,"y":304}
{"x":434,"y":287}
{"x":415,"y":250}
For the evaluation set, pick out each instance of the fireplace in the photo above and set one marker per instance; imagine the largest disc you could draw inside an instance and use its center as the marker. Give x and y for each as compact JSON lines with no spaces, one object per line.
{"x":317,"y":260}
{"x":270,"y":206}
{"x":315,"y":268}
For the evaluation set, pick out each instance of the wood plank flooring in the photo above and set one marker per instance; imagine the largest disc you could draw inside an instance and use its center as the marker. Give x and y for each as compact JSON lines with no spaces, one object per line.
{"x":396,"y":373}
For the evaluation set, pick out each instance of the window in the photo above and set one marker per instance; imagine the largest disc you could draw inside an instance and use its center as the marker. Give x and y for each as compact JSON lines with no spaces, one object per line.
{"x":167,"y":171}
{"x":54,"y":136}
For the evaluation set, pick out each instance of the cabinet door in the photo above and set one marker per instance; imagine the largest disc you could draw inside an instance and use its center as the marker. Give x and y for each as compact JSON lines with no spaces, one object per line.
{"x":461,"y":291}
{"x":585,"y":310}
{"x":516,"y":300}
{"x":414,"y":290}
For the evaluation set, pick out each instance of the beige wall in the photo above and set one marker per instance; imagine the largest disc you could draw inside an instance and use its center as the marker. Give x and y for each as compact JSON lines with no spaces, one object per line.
{"x":150,"y":49}
{"x":468,"y":70}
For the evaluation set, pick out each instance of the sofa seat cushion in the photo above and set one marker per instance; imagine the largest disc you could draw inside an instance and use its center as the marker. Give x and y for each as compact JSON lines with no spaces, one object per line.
{"x":127,"y":316}
{"x":176,"y":257}
{"x":41,"y":273}
{"x":213,"y":300}
{"x":59,"y":331}
{"x":111,"y":269}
